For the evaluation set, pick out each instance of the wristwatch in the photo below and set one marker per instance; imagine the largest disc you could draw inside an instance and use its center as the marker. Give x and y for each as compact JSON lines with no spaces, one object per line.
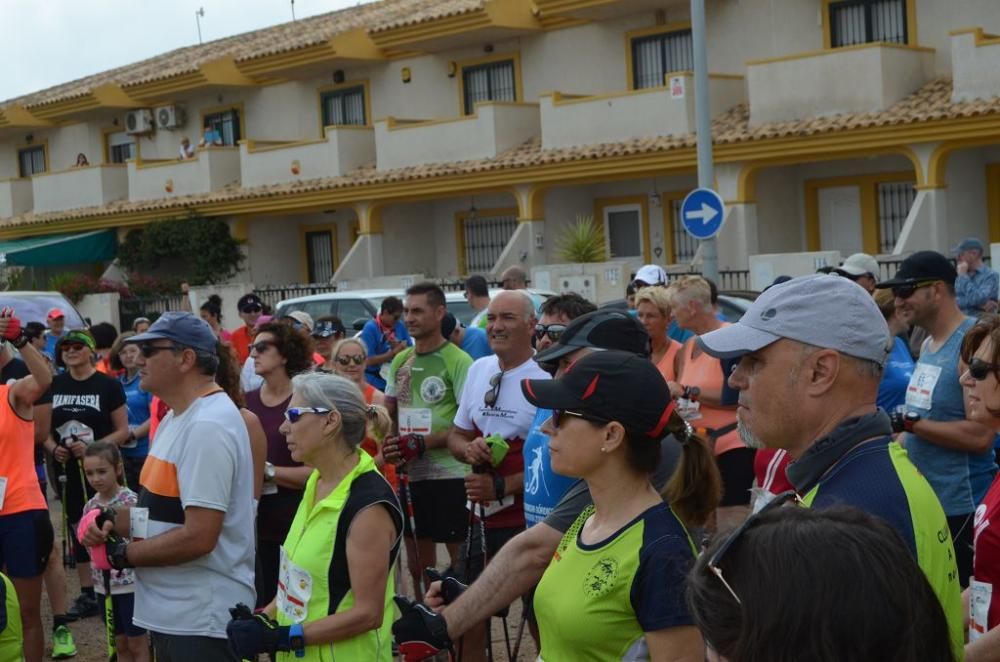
{"x":297,"y":640}
{"x":118,"y":553}
{"x":909,"y":420}
{"x":269,"y":471}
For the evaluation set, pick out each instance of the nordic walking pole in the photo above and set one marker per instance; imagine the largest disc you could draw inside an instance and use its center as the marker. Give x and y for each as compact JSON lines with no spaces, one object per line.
{"x":404,"y":487}
{"x":109,"y":617}
{"x":69,"y":559}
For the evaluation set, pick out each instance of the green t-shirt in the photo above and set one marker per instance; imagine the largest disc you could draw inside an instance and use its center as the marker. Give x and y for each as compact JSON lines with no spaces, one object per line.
{"x":11,"y":633}
{"x":427,"y":388}
{"x":594,"y":602}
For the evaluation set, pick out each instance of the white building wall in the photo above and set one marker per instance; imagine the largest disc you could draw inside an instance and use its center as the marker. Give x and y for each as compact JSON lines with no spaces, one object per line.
{"x":780,"y":211}
{"x":936,"y":19}
{"x":274,"y":245}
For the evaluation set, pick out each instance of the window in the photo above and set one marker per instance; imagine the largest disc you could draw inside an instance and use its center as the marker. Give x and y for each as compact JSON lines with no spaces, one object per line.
{"x":657,"y":55}
{"x":493,"y":81}
{"x":867,"y":21}
{"x":685,"y":246}
{"x":483,"y":239}
{"x":226,"y":124}
{"x":31,"y":160}
{"x":346,"y":106}
{"x":623,"y":229}
{"x":319,"y":256}
{"x":121,"y":147}
{"x":894,"y":202}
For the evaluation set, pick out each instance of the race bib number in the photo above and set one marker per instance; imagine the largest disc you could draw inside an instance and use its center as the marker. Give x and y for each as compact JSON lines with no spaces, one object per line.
{"x":415,"y":421}
{"x":920,"y":392}
{"x":73,"y":431}
{"x":294,"y":589}
{"x":491,"y":508}
{"x":383,"y":371}
{"x":980,"y":594}
{"x":138,"y":522}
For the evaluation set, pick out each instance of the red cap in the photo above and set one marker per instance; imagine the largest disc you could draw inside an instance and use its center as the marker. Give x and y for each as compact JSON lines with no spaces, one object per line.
{"x":55,"y":314}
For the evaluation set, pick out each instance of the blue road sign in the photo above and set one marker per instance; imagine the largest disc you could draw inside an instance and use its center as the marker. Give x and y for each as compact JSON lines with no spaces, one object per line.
{"x":702,"y":213}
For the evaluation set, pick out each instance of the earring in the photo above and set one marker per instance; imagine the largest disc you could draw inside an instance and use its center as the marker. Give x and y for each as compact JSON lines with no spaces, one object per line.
{"x":603,"y":449}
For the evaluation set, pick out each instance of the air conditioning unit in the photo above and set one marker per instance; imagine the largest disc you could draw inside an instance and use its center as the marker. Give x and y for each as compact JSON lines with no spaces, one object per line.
{"x":139,"y":121}
{"x":170,"y":117}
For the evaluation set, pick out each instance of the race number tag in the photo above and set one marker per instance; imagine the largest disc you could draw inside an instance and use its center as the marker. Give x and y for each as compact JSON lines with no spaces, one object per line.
{"x":920,"y":392}
{"x":138,"y":523}
{"x":980,"y":594}
{"x":415,"y":421}
{"x":294,"y":589}
{"x":3,"y":490}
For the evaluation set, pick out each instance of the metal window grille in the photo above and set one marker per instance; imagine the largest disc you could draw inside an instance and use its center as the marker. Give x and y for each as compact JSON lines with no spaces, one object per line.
{"x":122,"y":153}
{"x":866,"y":21}
{"x":685,"y":246}
{"x":655,"y":56}
{"x":31,"y":160}
{"x":344,"y":107}
{"x":319,"y":254}
{"x":227,"y":124}
{"x":494,"y":81}
{"x":485,"y":239}
{"x":894,"y":202}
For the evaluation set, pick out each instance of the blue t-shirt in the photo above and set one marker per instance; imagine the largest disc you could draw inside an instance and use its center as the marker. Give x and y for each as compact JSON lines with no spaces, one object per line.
{"x":137,"y":403}
{"x":543,"y":488}
{"x":50,"y":343}
{"x":675,"y":332}
{"x":959,"y":479}
{"x":376,"y":343}
{"x":476,"y":344}
{"x":895,"y":376}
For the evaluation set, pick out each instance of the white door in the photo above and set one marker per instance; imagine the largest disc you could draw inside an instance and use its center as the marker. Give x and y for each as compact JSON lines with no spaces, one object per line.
{"x":840,"y":220}
{"x":623,"y":231}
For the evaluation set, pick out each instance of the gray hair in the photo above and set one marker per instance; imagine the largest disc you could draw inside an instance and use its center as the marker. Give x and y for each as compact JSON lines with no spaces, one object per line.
{"x":318,"y":389}
{"x":526,"y":301}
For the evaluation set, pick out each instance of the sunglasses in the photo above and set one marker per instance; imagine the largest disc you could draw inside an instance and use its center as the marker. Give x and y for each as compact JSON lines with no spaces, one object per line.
{"x":73,"y":347}
{"x":259,"y":347}
{"x":980,"y":370}
{"x":907,"y":291}
{"x":553,"y":331}
{"x":148,"y":351}
{"x":357,"y":359}
{"x":559,"y":417}
{"x":490,"y":399}
{"x":251,"y":309}
{"x":713,"y":563}
{"x":293,"y":414}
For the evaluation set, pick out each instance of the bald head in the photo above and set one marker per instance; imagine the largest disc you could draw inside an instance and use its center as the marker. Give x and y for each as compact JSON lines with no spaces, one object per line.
{"x":514,"y":278}
{"x":517,"y":300}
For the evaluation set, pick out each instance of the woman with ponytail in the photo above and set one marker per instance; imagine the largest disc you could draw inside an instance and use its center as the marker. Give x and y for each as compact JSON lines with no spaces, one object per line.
{"x":211,"y":312}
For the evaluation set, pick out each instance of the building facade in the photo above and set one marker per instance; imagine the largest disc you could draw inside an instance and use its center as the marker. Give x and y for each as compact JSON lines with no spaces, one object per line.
{"x":448,"y":137}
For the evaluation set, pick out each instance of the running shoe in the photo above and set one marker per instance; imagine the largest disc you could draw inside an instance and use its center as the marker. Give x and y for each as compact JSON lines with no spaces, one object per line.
{"x":84,"y":606}
{"x":62,"y":643}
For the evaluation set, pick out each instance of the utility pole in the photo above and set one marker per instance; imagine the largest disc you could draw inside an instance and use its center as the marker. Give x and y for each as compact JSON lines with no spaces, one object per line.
{"x":197,"y":17}
{"x":293,"y":10}
{"x":703,"y":122}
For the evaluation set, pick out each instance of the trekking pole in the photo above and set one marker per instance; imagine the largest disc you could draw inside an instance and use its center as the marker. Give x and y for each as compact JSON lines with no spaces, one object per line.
{"x":109,"y":617}
{"x":482,"y":545}
{"x":404,"y":487}
{"x":520,"y":635}
{"x":68,"y":561}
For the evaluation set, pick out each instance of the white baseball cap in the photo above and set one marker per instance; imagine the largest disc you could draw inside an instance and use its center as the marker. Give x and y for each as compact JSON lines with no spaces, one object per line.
{"x":651,"y":274}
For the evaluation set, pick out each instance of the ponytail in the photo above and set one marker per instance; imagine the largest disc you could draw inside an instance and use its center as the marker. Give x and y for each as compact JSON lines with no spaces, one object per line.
{"x":379,"y":421}
{"x":695,"y":489}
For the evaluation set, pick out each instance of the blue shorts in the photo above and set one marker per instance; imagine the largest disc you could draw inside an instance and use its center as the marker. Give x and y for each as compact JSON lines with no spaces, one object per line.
{"x":25,"y":543}
{"x":123,"y":605}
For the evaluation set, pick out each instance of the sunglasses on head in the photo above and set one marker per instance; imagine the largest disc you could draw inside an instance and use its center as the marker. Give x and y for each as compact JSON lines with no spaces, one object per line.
{"x":148,"y":351}
{"x":259,"y":347}
{"x":490,"y":399}
{"x":293,"y":414}
{"x":713,"y":563}
{"x":907,"y":291}
{"x":357,"y":359}
{"x":553,"y":331}
{"x":980,"y":370}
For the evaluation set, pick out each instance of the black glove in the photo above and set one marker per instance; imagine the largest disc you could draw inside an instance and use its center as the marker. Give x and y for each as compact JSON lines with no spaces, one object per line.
{"x":903,"y":421}
{"x":411,"y":447}
{"x":451,"y":588}
{"x":252,"y":634}
{"x":419,"y":632}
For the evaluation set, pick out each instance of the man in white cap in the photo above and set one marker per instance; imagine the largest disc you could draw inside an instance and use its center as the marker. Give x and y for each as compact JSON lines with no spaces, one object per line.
{"x":976,"y":286}
{"x":815,"y":347}
{"x":649,"y":274}
{"x":862,"y":268}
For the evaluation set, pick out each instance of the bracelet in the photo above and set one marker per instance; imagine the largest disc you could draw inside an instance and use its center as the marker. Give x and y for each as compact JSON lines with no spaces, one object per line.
{"x":500,"y":485}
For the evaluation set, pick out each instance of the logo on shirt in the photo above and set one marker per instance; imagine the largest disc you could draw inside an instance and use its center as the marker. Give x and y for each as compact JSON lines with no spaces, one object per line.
{"x":432,"y":390}
{"x":536,"y":475}
{"x":601,"y":578}
{"x":76,"y":402}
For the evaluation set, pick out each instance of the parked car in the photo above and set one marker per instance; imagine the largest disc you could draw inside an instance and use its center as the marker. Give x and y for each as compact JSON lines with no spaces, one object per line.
{"x":732,"y":303}
{"x":35,"y":307}
{"x":460,"y":308}
{"x":353,"y":307}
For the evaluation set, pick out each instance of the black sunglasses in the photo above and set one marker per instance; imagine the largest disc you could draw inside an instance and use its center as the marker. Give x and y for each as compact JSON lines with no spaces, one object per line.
{"x":252,"y":308}
{"x":559,"y":417}
{"x":713,"y":563}
{"x":148,"y":351}
{"x":358,"y":359}
{"x":980,"y":370}
{"x":73,"y":346}
{"x":907,"y":291}
{"x":259,"y":347}
{"x":553,"y":331}
{"x":490,"y":399}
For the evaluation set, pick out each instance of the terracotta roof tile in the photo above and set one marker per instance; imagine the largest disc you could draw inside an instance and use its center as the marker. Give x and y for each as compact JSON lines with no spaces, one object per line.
{"x":431,"y":10}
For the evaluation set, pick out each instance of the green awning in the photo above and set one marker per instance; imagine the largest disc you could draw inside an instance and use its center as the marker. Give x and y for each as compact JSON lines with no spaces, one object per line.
{"x":60,"y":249}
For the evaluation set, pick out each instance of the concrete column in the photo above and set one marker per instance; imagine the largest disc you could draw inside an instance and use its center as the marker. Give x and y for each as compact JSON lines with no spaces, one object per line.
{"x":738,"y":239}
{"x":366,"y":259}
{"x":525,"y":248}
{"x":926,"y":224}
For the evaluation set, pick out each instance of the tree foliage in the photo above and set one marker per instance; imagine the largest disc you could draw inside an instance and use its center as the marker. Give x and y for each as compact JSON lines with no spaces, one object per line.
{"x":204,"y":246}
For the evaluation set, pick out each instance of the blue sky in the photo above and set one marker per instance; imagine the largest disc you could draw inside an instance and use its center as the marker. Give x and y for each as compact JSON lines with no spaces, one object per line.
{"x":54,"y":41}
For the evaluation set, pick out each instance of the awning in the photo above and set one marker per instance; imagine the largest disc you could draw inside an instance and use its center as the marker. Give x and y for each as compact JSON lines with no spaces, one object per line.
{"x":60,"y":249}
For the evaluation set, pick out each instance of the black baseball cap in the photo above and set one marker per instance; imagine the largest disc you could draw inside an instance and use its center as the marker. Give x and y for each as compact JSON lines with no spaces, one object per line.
{"x":921,"y":267}
{"x":613,"y":386}
{"x":601,"y":329}
{"x":249,"y":302}
{"x":448,"y":325}
{"x":328,"y":328}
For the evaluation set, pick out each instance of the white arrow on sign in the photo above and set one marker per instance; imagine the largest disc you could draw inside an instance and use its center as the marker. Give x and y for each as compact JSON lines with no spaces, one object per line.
{"x":705,"y":215}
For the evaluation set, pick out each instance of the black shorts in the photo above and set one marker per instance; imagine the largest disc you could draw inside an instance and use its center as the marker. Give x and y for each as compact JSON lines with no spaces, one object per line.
{"x":124,"y":606}
{"x":736,"y":469}
{"x":438,"y":510}
{"x":187,"y":648}
{"x":495,"y":539}
{"x":25,"y":543}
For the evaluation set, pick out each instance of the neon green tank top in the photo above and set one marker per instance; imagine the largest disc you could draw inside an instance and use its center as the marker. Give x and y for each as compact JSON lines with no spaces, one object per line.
{"x":11,"y":632}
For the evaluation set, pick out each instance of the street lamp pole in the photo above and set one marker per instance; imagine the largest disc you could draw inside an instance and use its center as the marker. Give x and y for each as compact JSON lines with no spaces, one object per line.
{"x":703,"y":122}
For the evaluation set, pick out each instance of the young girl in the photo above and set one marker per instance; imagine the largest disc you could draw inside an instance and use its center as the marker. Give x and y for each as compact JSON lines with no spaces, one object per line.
{"x":102,"y":463}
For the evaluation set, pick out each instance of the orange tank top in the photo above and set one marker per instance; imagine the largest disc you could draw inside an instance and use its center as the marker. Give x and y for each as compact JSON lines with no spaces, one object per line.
{"x":705,"y":372}
{"x":17,"y":461}
{"x":370,"y":446}
{"x":666,"y":364}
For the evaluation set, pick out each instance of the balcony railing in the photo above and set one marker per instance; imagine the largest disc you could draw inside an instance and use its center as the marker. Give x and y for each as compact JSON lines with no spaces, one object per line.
{"x":494,"y":128}
{"x":212,"y":169}
{"x":854,"y":79}
{"x":569,"y":120}
{"x":15,"y":197}
{"x":345,"y":148}
{"x":89,"y":186}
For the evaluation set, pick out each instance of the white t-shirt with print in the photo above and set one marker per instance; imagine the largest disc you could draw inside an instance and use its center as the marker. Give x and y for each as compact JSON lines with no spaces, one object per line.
{"x":512,"y":415}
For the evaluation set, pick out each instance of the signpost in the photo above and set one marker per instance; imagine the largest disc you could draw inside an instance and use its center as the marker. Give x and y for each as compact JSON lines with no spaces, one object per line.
{"x":702,"y":213}
{"x":703,"y":122}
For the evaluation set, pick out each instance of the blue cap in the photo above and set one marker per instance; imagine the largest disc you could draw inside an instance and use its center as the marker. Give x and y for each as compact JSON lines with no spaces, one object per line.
{"x":968,"y":244}
{"x":182,"y":329}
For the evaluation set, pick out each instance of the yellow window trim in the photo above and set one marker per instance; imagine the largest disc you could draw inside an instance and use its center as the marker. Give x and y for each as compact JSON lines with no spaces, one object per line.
{"x":667,"y":200}
{"x":631,"y":35}
{"x":993,"y":200}
{"x":304,"y":251}
{"x":362,"y":83}
{"x":462,"y":65}
{"x":911,"y":23}
{"x":867,"y":186}
{"x":238,"y":107}
{"x":461,"y":217}
{"x":44,"y":144}
{"x":982,"y":38}
{"x":641,"y":201}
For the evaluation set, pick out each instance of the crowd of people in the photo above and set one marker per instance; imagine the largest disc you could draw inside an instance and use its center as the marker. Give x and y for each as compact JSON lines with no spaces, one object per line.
{"x":815,"y":481}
